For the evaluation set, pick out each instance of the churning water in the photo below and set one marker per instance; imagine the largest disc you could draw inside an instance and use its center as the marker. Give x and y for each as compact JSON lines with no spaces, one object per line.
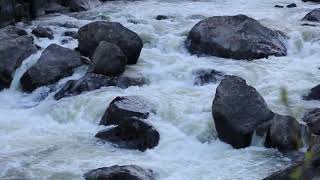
{"x":55,"y":139}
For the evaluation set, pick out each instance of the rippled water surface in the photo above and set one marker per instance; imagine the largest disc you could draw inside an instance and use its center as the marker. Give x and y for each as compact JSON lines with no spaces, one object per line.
{"x":55,"y":139}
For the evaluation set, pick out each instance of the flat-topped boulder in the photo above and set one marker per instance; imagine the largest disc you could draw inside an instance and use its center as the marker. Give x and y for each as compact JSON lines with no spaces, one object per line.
{"x":127,"y":172}
{"x":236,"y":37}
{"x":55,"y":63}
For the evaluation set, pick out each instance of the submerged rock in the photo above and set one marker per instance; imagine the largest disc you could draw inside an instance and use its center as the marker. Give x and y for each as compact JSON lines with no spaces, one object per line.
{"x":15,"y":47}
{"x":237,"y":37}
{"x":43,"y":32}
{"x":131,"y":133}
{"x":125,"y":107}
{"x":284,"y":133}
{"x":108,"y":59}
{"x":238,"y":109}
{"x":90,"y":35}
{"x":314,"y":93}
{"x":92,"y":81}
{"x":206,"y":76}
{"x":312,"y":118}
{"x":127,"y":172}
{"x":56,"y":62}
{"x":313,"y":16}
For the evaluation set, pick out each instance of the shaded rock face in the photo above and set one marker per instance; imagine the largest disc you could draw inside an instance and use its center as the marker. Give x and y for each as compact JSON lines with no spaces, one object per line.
{"x":236,"y":37}
{"x":6,"y":12}
{"x":15,"y":47}
{"x":125,"y":107}
{"x":56,"y":62}
{"x":90,"y":35}
{"x":131,"y":133}
{"x":313,"y":16}
{"x":43,"y":32}
{"x":108,"y":59}
{"x":82,"y":5}
{"x":238,"y":109}
{"x":128,"y":172}
{"x":284,"y":134}
{"x":92,"y":81}
{"x":206,"y":76}
{"x":312,"y":118}
{"x":314,"y":93}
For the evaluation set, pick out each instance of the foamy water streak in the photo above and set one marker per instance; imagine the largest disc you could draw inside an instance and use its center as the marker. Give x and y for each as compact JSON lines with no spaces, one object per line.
{"x":55,"y":139}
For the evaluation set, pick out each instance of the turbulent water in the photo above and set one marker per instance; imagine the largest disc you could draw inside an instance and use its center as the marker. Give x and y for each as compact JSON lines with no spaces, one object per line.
{"x":55,"y":139}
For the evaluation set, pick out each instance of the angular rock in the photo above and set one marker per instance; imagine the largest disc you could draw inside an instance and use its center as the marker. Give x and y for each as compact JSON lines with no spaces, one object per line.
{"x":292,"y":5}
{"x":131,"y":133}
{"x":90,"y":35}
{"x":43,"y":32}
{"x":108,"y":59}
{"x":15,"y":47}
{"x":127,"y":172}
{"x":56,"y":62}
{"x":238,"y":109}
{"x":236,"y":37}
{"x":92,"y":81}
{"x":206,"y":76}
{"x":313,"y":16}
{"x":314,"y":93}
{"x":122,"y":108}
{"x":312,"y":118}
{"x":284,"y":134}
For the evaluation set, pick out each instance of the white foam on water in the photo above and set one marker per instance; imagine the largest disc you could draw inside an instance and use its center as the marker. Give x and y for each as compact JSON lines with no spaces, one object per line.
{"x":55,"y":139}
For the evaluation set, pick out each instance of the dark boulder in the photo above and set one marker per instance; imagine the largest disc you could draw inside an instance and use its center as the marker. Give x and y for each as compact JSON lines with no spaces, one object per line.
{"x":56,"y":62}
{"x":238,"y":109}
{"x":15,"y":47}
{"x":312,"y":118}
{"x":206,"y":76}
{"x":43,"y":32}
{"x":292,"y":5}
{"x":72,"y":34}
{"x":7,"y":12}
{"x":108,"y":59}
{"x":90,"y":35}
{"x":161,"y":17}
{"x":131,"y":133}
{"x":237,"y":37}
{"x":126,"y":107}
{"x":278,"y":6}
{"x":314,"y":93}
{"x":92,"y":81}
{"x":82,"y":5}
{"x":313,"y":16}
{"x":284,"y":133}
{"x":127,"y":172}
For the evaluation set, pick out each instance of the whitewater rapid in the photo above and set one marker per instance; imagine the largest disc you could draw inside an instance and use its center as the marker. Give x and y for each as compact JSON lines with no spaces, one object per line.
{"x":55,"y":139}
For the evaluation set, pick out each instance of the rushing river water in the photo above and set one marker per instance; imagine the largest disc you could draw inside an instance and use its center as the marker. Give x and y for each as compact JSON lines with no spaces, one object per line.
{"x":55,"y":139}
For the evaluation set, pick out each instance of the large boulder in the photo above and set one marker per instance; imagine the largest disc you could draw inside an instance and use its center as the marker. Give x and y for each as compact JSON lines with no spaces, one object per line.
{"x":6,"y":12}
{"x":284,"y":133}
{"x":108,"y":59}
{"x":314,"y":93}
{"x":127,"y":172}
{"x":56,"y":62}
{"x":125,"y":107}
{"x":15,"y":47}
{"x":92,"y":81}
{"x":82,"y":5}
{"x":90,"y":35}
{"x":131,"y":133}
{"x":238,"y":109}
{"x":237,"y":37}
{"x":313,"y":16}
{"x":312,"y":118}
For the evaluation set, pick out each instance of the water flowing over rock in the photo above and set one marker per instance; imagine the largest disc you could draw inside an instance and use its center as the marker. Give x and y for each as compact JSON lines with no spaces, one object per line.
{"x":314,"y":93}
{"x":131,"y":133}
{"x":206,"y":76}
{"x":56,"y":62}
{"x":127,"y":172}
{"x":92,"y":81}
{"x":312,"y":118}
{"x":238,"y":109}
{"x":313,"y":16}
{"x":90,"y":35}
{"x":108,"y":59}
{"x":237,"y":37}
{"x":43,"y":32}
{"x":284,"y":133}
{"x":126,"y":107}
{"x":15,"y":47}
